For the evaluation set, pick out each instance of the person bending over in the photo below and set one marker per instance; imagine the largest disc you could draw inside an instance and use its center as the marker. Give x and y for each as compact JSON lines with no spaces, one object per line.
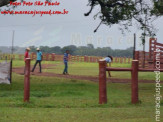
{"x":108,"y":60}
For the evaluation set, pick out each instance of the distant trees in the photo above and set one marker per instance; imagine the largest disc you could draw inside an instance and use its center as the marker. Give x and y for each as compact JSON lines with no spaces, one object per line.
{"x":90,"y":46}
{"x":56,"y":49}
{"x":71,"y":48}
{"x":88,"y":50}
{"x":33,"y":48}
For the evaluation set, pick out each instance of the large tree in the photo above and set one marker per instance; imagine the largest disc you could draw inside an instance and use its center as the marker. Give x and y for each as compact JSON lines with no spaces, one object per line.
{"x":5,"y":2}
{"x":158,"y":7}
{"x":127,"y":12}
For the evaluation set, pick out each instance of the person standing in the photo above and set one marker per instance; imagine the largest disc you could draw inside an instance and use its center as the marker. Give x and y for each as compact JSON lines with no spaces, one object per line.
{"x":26,"y":55}
{"x":65,"y":60}
{"x":38,"y":60}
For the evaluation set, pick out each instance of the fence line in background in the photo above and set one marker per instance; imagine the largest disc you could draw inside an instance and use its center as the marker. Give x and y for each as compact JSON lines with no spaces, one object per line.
{"x":55,"y":57}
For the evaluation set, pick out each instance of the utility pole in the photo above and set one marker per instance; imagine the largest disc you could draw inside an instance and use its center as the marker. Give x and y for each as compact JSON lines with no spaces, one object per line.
{"x":144,"y":41}
{"x":12,"y":50}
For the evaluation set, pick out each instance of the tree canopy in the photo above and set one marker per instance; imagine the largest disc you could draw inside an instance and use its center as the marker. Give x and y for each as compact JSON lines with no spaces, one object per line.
{"x":125,"y":12}
{"x":5,"y":2}
{"x":158,"y":7}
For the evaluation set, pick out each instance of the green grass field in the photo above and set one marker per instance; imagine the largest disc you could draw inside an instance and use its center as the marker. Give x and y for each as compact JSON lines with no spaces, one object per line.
{"x":70,"y":100}
{"x":90,"y":69}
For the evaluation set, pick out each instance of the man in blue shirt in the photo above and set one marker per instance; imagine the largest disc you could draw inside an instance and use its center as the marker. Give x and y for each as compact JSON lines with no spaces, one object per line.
{"x":65,"y":60}
{"x":39,"y":59}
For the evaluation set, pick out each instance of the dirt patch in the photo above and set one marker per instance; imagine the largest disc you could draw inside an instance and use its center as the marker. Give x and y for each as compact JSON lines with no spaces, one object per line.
{"x":20,"y":71}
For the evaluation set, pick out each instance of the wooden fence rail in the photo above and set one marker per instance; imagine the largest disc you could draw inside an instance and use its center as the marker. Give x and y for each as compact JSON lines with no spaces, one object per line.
{"x":134,"y":79}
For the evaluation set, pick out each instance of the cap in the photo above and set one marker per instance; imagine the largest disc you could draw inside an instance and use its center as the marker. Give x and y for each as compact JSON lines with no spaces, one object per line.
{"x":38,"y":49}
{"x":28,"y":48}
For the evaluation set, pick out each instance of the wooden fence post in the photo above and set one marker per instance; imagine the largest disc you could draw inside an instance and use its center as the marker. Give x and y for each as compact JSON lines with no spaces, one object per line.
{"x":125,"y":60}
{"x":9,"y":57}
{"x":47,"y":57}
{"x":94,"y":59}
{"x":85,"y":58}
{"x":19,"y":57}
{"x":121,"y":60}
{"x":13,"y":57}
{"x":129,"y":60}
{"x":27,"y":80}
{"x":90,"y":59}
{"x":70,"y":57}
{"x":134,"y":84}
{"x":77,"y":58}
{"x":102,"y":83}
{"x":53,"y":56}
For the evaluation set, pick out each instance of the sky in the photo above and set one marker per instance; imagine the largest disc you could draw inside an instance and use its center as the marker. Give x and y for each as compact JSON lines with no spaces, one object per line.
{"x":71,"y":29}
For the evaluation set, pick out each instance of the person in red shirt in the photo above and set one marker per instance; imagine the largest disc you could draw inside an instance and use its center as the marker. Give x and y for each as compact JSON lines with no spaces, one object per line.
{"x":26,"y":55}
